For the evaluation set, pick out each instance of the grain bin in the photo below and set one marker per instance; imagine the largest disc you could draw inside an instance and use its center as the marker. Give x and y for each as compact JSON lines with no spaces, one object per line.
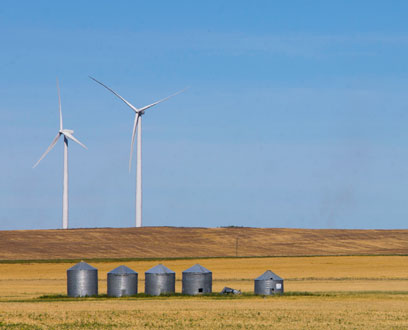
{"x":197,"y":280}
{"x":268,"y":284}
{"x":159,"y":280}
{"x":122,"y":281}
{"x":82,"y":280}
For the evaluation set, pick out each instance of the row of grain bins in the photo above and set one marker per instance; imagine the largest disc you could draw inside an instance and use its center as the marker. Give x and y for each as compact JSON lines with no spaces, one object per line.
{"x":82,"y":280}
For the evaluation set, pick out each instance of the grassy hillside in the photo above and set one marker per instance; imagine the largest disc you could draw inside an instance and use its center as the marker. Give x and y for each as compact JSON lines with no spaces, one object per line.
{"x":172,"y":242}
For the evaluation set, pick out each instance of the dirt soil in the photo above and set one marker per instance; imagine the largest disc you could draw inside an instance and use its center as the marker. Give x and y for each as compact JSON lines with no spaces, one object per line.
{"x":178,"y":242}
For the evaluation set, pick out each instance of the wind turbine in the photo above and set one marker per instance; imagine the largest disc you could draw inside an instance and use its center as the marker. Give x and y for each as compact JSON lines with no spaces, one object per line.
{"x":68,"y":134}
{"x":137,"y":124}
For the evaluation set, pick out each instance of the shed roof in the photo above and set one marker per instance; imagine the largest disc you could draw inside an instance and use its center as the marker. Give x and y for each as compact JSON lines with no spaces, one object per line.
{"x":197,"y":268}
{"x":82,"y":266}
{"x":122,"y":270}
{"x":269,"y":275}
{"x":159,"y":269}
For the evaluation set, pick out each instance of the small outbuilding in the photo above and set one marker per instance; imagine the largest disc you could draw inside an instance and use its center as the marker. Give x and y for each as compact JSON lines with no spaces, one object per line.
{"x":122,"y":281}
{"x":160,"y":280}
{"x":82,"y":280}
{"x":268,"y":284}
{"x":197,"y":280}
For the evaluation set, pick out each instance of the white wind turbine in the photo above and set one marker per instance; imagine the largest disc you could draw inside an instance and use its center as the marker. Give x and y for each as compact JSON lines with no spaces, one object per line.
{"x":68,"y":134}
{"x":139,"y":112}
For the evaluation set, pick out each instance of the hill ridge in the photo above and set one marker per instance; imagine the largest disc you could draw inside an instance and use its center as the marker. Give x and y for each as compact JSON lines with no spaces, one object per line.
{"x":187,"y":242}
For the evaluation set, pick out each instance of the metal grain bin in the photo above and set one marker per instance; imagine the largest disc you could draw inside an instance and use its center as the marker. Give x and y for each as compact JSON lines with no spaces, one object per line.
{"x":122,"y":281}
{"x":82,"y":280}
{"x":268,"y":284}
{"x":197,"y":280}
{"x":160,"y":279}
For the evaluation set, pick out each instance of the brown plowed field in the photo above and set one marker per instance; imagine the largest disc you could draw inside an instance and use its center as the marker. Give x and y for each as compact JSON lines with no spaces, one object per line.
{"x":173,"y":242}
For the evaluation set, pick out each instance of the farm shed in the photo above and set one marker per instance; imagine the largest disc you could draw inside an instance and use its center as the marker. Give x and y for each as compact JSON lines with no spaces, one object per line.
{"x":82,"y":280}
{"x":160,"y":280}
{"x":122,"y":281}
{"x":268,"y":284}
{"x":197,"y":280}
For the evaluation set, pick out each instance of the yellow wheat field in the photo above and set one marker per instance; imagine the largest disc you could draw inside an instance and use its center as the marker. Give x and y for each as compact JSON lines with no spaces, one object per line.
{"x":342,"y":312}
{"x":357,"y":292}
{"x":380,"y":273}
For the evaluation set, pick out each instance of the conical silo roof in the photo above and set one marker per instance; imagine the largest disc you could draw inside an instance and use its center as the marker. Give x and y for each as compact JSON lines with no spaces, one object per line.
{"x":197,"y":268}
{"x":82,"y":266}
{"x":268,"y":275}
{"x":122,"y":270}
{"x":159,"y":269}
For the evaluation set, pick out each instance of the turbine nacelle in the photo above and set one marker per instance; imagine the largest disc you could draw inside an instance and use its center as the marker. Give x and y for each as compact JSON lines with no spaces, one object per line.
{"x":138,"y":111}
{"x":66,"y":131}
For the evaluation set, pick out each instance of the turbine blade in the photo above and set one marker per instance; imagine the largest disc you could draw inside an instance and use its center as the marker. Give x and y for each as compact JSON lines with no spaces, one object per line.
{"x":73,"y":138}
{"x":48,"y":149}
{"x":133,"y":139}
{"x":59,"y":103}
{"x":162,"y":100}
{"x":109,"y":89}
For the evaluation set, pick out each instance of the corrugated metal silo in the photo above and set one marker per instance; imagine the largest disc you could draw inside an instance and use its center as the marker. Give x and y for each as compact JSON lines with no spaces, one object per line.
{"x":268,"y":284}
{"x":122,"y":281}
{"x":82,"y":280}
{"x":197,"y":280}
{"x":159,"y":280}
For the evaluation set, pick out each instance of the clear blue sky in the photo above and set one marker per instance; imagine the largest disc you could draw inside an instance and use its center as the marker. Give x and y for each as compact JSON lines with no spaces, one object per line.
{"x":296,"y":115}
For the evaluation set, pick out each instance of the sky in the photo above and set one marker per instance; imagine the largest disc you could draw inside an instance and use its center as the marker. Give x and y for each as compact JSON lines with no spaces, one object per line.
{"x":295,"y":117}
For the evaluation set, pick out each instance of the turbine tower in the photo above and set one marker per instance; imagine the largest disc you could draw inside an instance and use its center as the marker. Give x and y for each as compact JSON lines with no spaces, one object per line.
{"x":137,"y":125}
{"x":68,"y":135}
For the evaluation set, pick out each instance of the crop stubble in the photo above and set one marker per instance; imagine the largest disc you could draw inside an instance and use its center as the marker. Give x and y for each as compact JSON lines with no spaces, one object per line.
{"x":355,"y":305}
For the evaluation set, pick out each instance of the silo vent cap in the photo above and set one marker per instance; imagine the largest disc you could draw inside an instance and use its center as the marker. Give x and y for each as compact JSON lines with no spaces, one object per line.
{"x":268,"y":275}
{"x":82,"y":266}
{"x":122,"y":270}
{"x":197,"y":269}
{"x":159,"y":269}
